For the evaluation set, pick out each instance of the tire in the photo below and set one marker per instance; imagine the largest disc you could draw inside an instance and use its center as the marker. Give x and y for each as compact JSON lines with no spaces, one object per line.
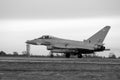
{"x":80,"y":56}
{"x":67,"y":55}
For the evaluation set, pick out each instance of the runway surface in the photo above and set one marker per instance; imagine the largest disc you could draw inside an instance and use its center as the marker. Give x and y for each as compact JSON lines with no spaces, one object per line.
{"x":60,"y":60}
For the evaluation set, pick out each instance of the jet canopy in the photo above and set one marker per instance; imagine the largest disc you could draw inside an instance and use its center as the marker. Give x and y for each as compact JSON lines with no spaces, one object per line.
{"x":46,"y":37}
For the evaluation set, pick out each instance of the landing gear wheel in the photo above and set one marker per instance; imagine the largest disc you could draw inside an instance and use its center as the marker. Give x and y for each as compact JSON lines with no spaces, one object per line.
{"x":51,"y":55}
{"x":80,"y":56}
{"x":67,"y":55}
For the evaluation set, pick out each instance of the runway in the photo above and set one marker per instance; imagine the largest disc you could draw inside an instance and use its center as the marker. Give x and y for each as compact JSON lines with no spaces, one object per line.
{"x":60,"y":60}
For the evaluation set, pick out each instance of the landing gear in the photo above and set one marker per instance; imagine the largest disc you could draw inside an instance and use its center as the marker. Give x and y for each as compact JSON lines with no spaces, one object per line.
{"x":67,"y":55}
{"x":80,"y":56}
{"x":51,"y":55}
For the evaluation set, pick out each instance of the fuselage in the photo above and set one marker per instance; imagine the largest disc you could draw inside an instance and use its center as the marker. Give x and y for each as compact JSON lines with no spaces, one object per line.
{"x":59,"y":45}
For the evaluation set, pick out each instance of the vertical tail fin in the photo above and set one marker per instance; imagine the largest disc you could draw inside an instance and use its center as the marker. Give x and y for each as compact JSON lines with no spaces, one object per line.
{"x":99,"y":37}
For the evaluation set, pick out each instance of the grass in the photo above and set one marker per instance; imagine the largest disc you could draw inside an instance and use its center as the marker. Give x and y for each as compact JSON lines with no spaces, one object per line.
{"x":60,"y":71}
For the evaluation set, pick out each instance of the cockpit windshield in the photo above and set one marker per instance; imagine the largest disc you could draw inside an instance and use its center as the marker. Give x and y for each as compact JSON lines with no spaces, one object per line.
{"x":45,"y":37}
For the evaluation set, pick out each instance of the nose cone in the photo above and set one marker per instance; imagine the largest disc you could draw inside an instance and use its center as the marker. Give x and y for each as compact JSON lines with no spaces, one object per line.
{"x":33,"y":42}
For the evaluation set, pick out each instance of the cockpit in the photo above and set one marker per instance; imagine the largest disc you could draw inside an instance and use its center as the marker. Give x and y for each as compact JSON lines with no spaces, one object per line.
{"x":46,"y":37}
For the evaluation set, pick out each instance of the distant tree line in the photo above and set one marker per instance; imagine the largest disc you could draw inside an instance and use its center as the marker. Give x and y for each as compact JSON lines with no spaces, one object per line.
{"x":112,"y":56}
{"x":2,"y":53}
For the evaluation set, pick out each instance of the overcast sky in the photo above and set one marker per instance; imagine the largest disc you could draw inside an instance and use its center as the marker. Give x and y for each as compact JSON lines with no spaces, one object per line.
{"x":40,"y":9}
{"x":21,"y":20}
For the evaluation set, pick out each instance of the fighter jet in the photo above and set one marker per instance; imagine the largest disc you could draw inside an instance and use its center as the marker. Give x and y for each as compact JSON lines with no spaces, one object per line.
{"x":73,"y":47}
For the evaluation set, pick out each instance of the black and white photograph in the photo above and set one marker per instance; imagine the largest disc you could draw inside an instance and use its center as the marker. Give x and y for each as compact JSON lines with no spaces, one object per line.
{"x":59,"y":39}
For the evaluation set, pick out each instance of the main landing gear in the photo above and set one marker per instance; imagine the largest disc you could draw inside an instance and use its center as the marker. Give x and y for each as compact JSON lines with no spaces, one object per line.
{"x":80,"y":56}
{"x":67,"y":55}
